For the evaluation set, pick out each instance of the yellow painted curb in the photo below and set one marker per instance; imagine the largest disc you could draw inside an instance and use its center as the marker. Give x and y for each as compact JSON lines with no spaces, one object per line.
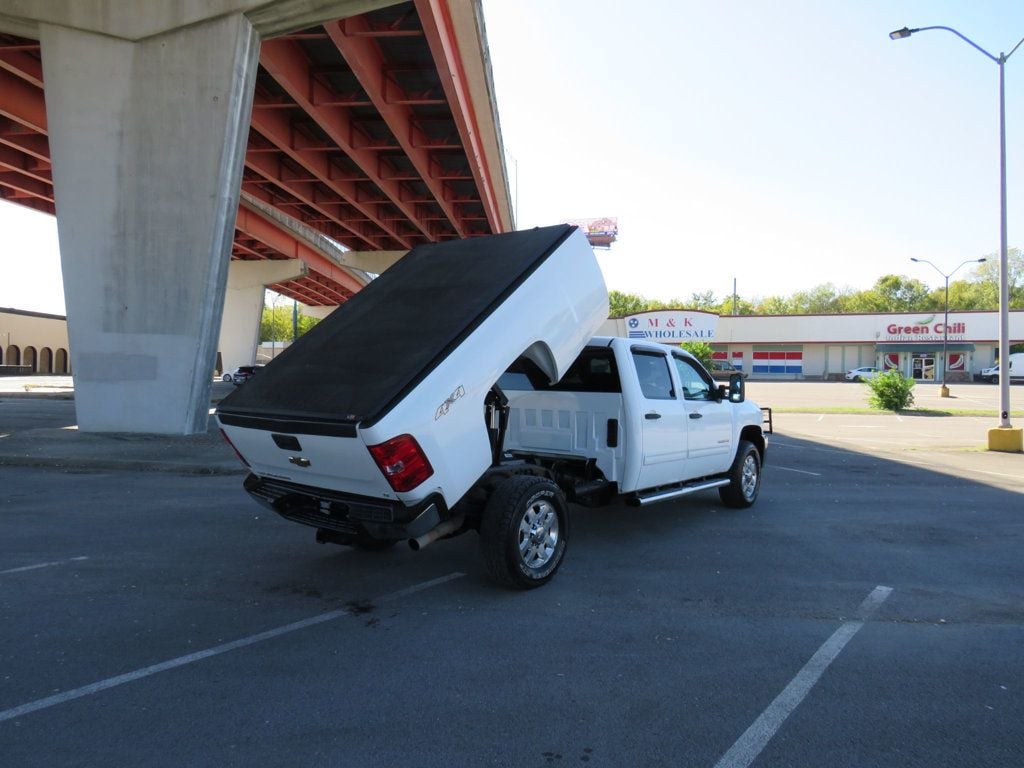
{"x":1009,"y":440}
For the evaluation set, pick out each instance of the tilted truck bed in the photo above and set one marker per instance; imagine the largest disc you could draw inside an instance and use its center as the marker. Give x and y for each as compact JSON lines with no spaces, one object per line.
{"x":416,"y":352}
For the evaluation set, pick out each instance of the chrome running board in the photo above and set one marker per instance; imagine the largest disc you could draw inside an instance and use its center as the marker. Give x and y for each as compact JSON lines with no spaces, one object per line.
{"x":664,"y":495}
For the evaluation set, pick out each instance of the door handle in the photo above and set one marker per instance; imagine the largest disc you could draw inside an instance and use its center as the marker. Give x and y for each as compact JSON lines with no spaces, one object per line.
{"x":652,"y":415}
{"x":696,"y":415}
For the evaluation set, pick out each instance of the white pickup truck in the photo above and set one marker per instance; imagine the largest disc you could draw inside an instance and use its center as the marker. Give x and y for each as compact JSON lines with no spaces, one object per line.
{"x":463,"y":390}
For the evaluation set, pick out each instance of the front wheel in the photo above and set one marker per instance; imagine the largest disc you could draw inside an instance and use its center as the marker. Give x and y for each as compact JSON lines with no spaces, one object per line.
{"x":524,"y":531}
{"x":226,"y":378}
{"x":744,"y":478}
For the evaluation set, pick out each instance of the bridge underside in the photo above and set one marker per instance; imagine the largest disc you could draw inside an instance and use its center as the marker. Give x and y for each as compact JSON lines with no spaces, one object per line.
{"x":358,"y":130}
{"x":377,"y":132}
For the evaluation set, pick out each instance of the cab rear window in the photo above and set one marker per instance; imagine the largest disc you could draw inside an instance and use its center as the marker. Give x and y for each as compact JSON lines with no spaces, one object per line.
{"x":593,"y":371}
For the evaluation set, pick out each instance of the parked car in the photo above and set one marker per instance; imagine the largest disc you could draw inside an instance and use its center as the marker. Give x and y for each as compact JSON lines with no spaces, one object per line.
{"x":991,"y":375}
{"x":721,"y":370}
{"x":865,"y":373}
{"x":242,"y":374}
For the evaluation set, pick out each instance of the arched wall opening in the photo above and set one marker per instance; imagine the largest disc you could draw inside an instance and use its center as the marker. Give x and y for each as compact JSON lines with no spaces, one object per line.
{"x":60,"y":364}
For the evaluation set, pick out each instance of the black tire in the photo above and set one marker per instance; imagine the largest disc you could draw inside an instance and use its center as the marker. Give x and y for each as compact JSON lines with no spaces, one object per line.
{"x":744,"y":478}
{"x":513,"y":556}
{"x":226,"y":378}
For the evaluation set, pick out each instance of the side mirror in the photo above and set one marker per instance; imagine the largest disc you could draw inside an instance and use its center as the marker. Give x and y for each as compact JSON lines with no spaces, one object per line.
{"x":737,"y":389}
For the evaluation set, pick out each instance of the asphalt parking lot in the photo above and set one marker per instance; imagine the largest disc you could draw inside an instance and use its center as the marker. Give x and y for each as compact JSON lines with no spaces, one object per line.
{"x":868,"y":610}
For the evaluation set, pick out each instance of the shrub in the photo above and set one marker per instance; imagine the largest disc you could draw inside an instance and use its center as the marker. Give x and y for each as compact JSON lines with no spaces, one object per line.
{"x":891,"y":391}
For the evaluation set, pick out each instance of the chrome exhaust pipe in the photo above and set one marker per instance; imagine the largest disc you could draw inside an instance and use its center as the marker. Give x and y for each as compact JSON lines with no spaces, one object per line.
{"x":440,"y":531}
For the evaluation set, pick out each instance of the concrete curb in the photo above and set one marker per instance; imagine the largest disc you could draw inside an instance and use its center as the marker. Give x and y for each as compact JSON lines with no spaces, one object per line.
{"x":37,"y":396}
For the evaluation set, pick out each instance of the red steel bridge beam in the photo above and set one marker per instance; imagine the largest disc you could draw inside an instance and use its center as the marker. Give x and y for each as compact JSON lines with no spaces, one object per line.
{"x":437,"y":26}
{"x":259,"y":228}
{"x":277,"y":128}
{"x":305,"y":191}
{"x":287,"y":64}
{"x":367,"y":64}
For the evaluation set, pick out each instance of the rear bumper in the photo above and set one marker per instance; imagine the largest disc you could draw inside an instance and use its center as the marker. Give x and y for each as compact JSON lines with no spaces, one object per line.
{"x":346,"y":513}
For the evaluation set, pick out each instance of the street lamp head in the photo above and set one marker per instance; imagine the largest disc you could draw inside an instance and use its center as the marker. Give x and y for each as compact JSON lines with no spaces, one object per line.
{"x":899,"y":34}
{"x":913,"y":259}
{"x":982,"y":259}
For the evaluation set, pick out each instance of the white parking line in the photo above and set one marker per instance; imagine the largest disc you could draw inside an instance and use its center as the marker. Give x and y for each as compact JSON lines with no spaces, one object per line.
{"x":801,"y":471}
{"x":756,"y":737}
{"x":181,"y":661}
{"x":43,"y":565}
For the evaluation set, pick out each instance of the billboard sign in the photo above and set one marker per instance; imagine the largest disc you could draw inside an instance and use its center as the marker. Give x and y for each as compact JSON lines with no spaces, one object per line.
{"x":672,"y":325}
{"x":600,"y":232}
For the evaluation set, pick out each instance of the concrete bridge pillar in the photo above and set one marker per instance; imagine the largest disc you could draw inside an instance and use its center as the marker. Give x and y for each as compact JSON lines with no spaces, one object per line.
{"x":243,"y":306}
{"x":147,"y":139}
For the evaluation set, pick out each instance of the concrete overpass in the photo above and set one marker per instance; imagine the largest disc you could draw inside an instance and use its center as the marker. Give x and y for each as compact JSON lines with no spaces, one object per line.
{"x":197,"y":151}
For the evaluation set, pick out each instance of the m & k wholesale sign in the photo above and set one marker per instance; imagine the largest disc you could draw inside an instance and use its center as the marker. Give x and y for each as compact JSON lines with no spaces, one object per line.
{"x":672,"y":325}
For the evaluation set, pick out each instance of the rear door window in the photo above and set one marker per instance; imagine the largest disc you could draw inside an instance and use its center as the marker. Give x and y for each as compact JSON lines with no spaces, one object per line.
{"x":653,"y":374}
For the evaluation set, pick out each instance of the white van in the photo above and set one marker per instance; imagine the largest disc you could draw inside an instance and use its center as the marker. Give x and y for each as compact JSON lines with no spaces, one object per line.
{"x":991,"y":375}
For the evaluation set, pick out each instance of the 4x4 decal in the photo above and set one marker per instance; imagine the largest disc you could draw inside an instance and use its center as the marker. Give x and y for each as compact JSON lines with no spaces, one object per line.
{"x":443,"y":408}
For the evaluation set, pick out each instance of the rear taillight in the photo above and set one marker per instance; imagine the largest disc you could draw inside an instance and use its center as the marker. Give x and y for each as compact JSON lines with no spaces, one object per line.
{"x":227,"y":439}
{"x":402,"y":461}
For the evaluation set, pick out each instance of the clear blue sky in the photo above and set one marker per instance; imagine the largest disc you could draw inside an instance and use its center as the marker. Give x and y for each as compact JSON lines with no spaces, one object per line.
{"x":785,"y":144}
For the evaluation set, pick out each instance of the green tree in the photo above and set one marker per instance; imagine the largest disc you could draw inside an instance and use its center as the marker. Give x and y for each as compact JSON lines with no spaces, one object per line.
{"x":276,"y":323}
{"x":893,"y":293}
{"x":701,"y":350}
{"x":820,"y":300}
{"x":966,"y":294}
{"x":743,"y":307}
{"x":987,"y":273}
{"x":775,"y":305}
{"x":622,"y":304}
{"x":705,"y":301}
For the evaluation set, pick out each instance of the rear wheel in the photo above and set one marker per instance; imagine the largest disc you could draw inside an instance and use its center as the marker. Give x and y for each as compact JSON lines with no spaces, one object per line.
{"x":744,"y":478}
{"x":524,"y":531}
{"x":226,"y":377}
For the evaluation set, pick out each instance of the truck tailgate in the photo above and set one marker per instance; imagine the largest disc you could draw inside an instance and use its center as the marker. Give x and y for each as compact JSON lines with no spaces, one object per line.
{"x":323,"y":461}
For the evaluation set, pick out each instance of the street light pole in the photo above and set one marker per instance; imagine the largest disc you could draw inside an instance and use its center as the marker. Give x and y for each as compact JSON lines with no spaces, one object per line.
{"x":1008,"y":441}
{"x":945,"y":318}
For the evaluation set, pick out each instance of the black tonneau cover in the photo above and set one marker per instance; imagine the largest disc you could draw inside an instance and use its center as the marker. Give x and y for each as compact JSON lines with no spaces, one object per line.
{"x":364,"y":357}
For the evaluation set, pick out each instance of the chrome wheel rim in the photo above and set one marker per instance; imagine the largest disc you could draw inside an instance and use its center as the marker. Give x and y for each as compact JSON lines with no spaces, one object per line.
{"x":748,"y":480}
{"x":538,"y":534}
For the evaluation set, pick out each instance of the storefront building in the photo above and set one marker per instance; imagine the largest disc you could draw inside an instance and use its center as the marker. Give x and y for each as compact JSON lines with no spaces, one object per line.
{"x":789,"y":347}
{"x":33,"y":342}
